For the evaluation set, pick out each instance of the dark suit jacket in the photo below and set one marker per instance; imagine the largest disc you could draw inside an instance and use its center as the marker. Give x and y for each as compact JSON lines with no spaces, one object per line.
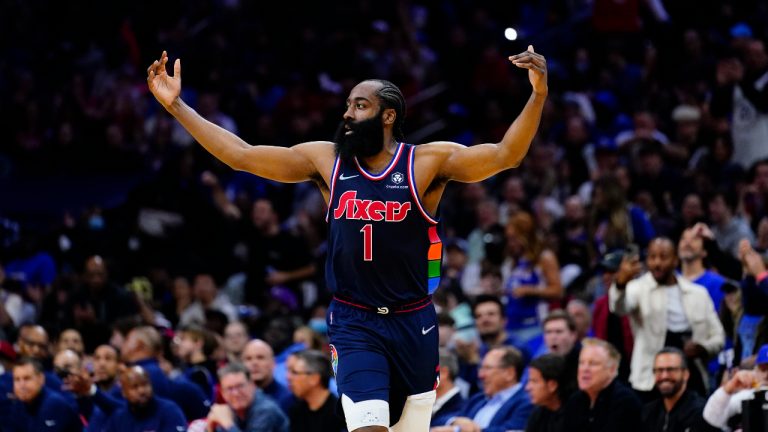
{"x":513,"y":415}
{"x":451,"y":408}
{"x":617,"y":408}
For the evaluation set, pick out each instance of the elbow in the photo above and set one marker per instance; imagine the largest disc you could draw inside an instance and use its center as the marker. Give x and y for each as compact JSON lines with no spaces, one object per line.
{"x":513,"y":162}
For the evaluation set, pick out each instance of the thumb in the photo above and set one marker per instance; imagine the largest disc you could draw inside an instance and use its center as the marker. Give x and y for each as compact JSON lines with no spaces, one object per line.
{"x":177,"y":69}
{"x":530,"y":48}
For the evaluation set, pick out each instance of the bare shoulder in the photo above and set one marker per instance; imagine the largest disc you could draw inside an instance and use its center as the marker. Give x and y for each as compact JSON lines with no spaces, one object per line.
{"x":438,"y":149}
{"x":315,"y":148}
{"x":321,"y":153}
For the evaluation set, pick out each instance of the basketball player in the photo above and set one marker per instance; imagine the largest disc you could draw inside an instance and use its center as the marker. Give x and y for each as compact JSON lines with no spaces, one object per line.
{"x":383,"y":249}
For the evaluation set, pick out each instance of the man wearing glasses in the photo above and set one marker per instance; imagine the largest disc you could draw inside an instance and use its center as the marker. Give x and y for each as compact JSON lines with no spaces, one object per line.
{"x":309,"y":373}
{"x":33,"y":344}
{"x":247,"y":408}
{"x":678,"y":408}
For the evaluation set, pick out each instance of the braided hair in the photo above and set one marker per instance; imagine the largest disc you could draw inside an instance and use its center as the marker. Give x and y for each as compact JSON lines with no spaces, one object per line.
{"x":391,"y":97}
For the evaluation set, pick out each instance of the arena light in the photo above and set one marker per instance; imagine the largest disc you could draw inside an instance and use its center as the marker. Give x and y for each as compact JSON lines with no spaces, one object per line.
{"x":510,"y":34}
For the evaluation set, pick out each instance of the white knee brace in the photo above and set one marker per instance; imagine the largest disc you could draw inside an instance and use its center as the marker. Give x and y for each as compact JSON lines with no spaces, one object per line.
{"x":417,"y":413}
{"x":373,"y":412}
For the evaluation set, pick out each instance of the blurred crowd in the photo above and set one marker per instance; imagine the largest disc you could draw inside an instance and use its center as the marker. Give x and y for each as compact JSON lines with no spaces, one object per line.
{"x":617,"y":273}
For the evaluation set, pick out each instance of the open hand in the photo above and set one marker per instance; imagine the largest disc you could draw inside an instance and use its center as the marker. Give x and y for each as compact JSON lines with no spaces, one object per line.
{"x":744,"y":379}
{"x":164,"y":87}
{"x":629,"y":269}
{"x":537,"y":68}
{"x":751,"y":260}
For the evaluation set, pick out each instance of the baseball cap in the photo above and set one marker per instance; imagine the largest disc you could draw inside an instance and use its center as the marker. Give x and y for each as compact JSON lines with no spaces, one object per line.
{"x":762,"y":355}
{"x":611,"y":261}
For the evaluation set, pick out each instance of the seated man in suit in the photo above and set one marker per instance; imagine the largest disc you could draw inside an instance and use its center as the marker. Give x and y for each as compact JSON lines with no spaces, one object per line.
{"x":503,"y":405}
{"x":449,"y":402}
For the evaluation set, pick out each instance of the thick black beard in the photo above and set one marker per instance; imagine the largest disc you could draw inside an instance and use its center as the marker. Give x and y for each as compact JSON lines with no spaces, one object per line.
{"x":141,"y":410}
{"x":366,"y":139}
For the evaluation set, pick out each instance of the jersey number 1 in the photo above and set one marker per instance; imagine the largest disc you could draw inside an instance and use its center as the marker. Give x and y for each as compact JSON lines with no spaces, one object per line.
{"x":367,"y":231}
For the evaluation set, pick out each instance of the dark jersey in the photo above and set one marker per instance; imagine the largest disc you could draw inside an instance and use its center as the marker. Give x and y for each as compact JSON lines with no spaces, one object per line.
{"x":383,"y":247}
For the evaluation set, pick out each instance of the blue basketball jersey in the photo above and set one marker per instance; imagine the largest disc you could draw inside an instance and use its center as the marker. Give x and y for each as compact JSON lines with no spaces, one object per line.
{"x":383,"y":247}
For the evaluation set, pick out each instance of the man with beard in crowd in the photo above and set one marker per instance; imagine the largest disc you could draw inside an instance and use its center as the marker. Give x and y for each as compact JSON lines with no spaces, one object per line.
{"x":678,"y":408}
{"x":665,"y":310}
{"x":143,"y":410}
{"x":384,"y":252}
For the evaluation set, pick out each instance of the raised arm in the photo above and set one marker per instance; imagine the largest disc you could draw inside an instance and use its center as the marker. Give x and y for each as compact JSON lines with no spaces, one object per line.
{"x":476,"y":163}
{"x":295,"y":164}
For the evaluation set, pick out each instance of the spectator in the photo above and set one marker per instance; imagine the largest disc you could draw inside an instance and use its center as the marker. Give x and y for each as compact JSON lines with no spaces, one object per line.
{"x":143,"y":347}
{"x":613,"y":222}
{"x":545,"y":390}
{"x":34,"y":343}
{"x":449,"y":401}
{"x":533,"y":279}
{"x":571,"y":234}
{"x":727,"y":401}
{"x":678,"y":408}
{"x":235,"y":339}
{"x":143,"y":410}
{"x":582,"y":317}
{"x":751,"y":327}
{"x":607,"y":325}
{"x":490,"y":322}
{"x":70,"y":339}
{"x":728,"y":228}
{"x":11,"y":304}
{"x":502,"y":405}
{"x":105,"y":367}
{"x":278,"y":259}
{"x":259,"y":359}
{"x":562,"y":340}
{"x":309,"y":373}
{"x":207,"y":296}
{"x":692,"y":254}
{"x":487,"y":216}
{"x":603,"y":404}
{"x":98,"y":302}
{"x":247,"y":409}
{"x":194,"y":347}
{"x":740,"y":94}
{"x":665,"y":310}
{"x":37,"y":407}
{"x":446,"y":329}
{"x":66,"y":362}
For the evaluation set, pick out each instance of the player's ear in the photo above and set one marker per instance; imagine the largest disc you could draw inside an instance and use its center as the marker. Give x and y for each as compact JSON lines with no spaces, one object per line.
{"x":389,"y":116}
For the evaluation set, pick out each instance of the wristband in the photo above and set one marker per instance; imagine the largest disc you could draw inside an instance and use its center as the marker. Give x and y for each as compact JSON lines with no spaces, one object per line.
{"x":761,"y":276}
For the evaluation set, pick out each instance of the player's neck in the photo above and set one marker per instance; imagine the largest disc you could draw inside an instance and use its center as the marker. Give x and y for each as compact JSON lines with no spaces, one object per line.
{"x":378,"y":162}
